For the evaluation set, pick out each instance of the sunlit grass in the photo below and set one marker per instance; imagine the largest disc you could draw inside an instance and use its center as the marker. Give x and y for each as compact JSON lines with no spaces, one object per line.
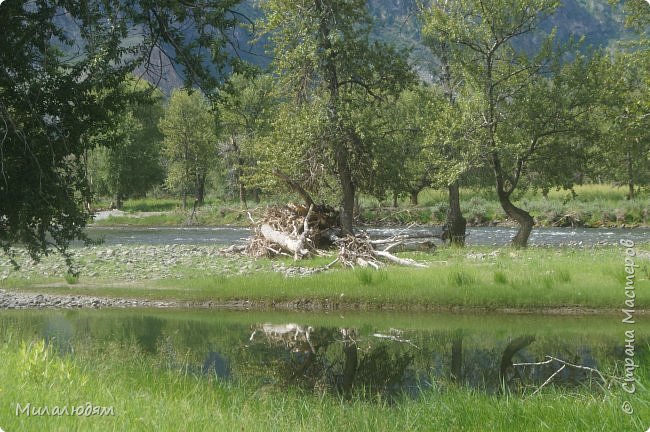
{"x":532,"y":278}
{"x":592,"y":205}
{"x":147,"y":397}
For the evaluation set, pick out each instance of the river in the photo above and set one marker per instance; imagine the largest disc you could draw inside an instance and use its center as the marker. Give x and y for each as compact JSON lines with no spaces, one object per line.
{"x":480,"y":236}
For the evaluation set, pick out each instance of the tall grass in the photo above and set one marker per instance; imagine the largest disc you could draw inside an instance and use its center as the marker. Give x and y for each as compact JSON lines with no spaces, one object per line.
{"x":146,"y":397}
{"x":592,"y":206}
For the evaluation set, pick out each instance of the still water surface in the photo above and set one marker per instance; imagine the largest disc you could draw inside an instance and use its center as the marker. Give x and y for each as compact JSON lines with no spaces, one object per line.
{"x":382,"y":353}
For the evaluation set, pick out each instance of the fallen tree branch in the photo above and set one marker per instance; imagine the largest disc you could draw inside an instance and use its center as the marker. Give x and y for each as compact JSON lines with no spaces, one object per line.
{"x":402,"y":261}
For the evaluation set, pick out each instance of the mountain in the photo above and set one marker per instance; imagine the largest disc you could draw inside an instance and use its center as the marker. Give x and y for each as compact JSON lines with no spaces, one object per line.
{"x":396,"y":22}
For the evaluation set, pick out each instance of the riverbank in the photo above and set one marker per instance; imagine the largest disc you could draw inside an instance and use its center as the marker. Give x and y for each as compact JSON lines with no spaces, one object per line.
{"x":593,"y":206}
{"x":589,"y":280}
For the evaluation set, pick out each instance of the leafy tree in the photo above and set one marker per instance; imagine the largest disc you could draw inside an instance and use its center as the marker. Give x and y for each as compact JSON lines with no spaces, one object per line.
{"x":446,"y":131}
{"x":190,"y":143}
{"x":623,"y":153}
{"x":326,"y":61}
{"x":126,"y":161}
{"x":522,"y":107}
{"x":62,"y":65}
{"x":245,"y":114}
{"x":401,"y":165}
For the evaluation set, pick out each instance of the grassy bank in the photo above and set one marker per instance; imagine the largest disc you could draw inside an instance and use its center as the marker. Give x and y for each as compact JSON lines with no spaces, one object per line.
{"x":456,"y":278}
{"x":592,"y":206}
{"x":145,"y":396}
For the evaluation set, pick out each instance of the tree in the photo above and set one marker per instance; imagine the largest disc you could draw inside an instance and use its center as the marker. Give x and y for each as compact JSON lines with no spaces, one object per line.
{"x":623,"y":153}
{"x":190,"y":143}
{"x":403,"y":139}
{"x":446,"y":131}
{"x":325,"y":59}
{"x":245,"y":113}
{"x":61,"y":67}
{"x":523,"y":107}
{"x":126,"y":161}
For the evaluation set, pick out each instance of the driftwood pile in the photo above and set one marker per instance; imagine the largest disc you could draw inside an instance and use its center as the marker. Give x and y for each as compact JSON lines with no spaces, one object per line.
{"x":300,"y":232}
{"x":293,"y":230}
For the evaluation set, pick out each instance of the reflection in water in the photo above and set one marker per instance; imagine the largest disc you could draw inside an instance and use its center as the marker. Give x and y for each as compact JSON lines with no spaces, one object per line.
{"x":346,"y":360}
{"x":342,"y":361}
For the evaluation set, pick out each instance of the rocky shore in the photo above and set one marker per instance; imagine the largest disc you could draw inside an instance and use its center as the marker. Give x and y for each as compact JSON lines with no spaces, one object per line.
{"x":20,"y":300}
{"x":127,"y":263}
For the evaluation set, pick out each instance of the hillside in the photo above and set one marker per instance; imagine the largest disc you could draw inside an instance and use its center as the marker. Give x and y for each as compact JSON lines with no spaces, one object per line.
{"x":396,"y":22}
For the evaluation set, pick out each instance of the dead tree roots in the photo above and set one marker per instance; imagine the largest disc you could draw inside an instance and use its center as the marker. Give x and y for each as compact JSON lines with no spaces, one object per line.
{"x":300,"y":232}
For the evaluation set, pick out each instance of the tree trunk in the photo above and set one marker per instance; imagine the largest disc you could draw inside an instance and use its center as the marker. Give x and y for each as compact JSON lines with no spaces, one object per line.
{"x":256,"y":195}
{"x":630,"y":176}
{"x":456,"y":223}
{"x":200,"y":188}
{"x":347,"y":188}
{"x":242,"y":194}
{"x":184,"y":197}
{"x":523,"y":218}
{"x":414,"y":196}
{"x":349,"y":367}
{"x":119,"y":202}
{"x":630,"y":190}
{"x":513,"y":348}
{"x":341,"y":154}
{"x":395,"y":196}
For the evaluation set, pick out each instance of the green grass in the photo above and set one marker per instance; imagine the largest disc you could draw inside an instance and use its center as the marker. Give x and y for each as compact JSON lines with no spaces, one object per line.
{"x":148,"y":397}
{"x":593,"y":206}
{"x":527,"y":279}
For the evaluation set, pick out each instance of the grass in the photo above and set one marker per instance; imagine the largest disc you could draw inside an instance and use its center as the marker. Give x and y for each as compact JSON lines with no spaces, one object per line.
{"x":527,"y":279}
{"x":71,"y":279}
{"x":146,"y":396}
{"x":593,"y":205}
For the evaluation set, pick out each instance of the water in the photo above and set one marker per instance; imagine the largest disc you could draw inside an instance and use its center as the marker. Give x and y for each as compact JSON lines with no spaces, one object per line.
{"x":481,"y":236}
{"x":391,"y":354}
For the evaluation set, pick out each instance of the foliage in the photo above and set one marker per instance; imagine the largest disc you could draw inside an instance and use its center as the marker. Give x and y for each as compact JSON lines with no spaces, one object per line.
{"x":126,"y":161}
{"x":332,"y":76}
{"x":63,"y":64}
{"x":190,"y":143}
{"x":623,"y":153}
{"x":245,"y":112}
{"x":523,"y":113}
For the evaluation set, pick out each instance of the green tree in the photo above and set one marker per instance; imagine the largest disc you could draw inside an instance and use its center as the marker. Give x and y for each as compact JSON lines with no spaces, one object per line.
{"x":446,"y":131}
{"x":190,"y":143}
{"x":401,"y":165}
{"x":62,"y":67}
{"x":623,"y":153}
{"x":127,"y":161}
{"x":326,"y":61}
{"x":522,"y":107}
{"x":246,"y":109}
